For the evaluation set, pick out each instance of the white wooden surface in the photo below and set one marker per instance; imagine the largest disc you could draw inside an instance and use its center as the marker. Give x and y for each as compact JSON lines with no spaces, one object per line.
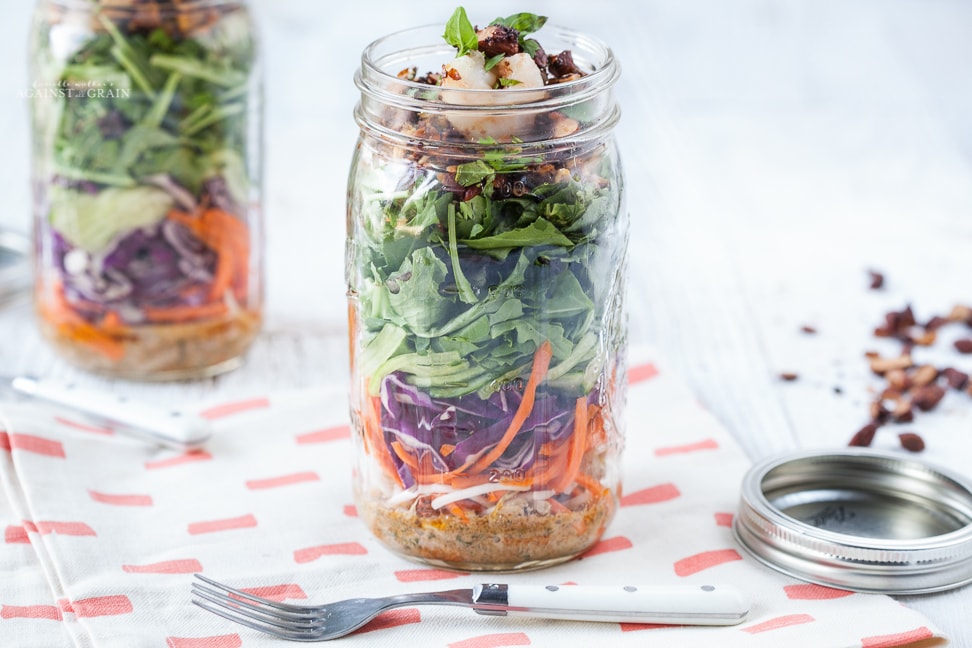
{"x":775,"y":151}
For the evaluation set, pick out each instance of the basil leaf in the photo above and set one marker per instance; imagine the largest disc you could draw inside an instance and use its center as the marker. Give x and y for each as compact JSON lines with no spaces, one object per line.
{"x":460,"y":34}
{"x":492,"y":61}
{"x":525,"y":23}
{"x":530,"y":46}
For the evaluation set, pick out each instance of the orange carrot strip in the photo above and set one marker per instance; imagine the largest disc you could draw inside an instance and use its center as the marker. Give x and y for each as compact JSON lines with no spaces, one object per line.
{"x":456,"y":510}
{"x":228,"y":236}
{"x":185,"y":313}
{"x":446,"y":449}
{"x":578,"y":445}
{"x":541,"y":362}
{"x":552,"y":461}
{"x":223,"y":278}
{"x":374,"y":438}
{"x":590,"y":484}
{"x":406,"y":458}
{"x":70,"y":324}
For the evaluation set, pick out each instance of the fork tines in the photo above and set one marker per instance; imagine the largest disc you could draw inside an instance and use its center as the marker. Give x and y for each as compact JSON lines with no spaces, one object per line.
{"x":279,"y":619}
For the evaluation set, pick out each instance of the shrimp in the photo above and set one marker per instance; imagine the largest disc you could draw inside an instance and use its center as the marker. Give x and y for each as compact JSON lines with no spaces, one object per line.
{"x":468,"y":73}
{"x":521,"y":68}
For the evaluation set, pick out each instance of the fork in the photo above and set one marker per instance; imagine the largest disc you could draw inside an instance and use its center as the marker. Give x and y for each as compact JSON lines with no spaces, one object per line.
{"x":677,"y":605}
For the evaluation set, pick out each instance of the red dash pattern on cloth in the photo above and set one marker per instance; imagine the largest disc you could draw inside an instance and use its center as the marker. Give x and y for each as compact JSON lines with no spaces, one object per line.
{"x":181,"y":566}
{"x":282,"y":480}
{"x":143,"y":519}
{"x":215,"y":641}
{"x":14,"y":534}
{"x":779,"y":622}
{"x":392,"y":619}
{"x":278,"y":593}
{"x":419,"y":575}
{"x":48,"y":612}
{"x":706,"y":444}
{"x":634,"y":627}
{"x":498,"y":640}
{"x":36,"y":444}
{"x":326,"y":435}
{"x":811,"y":592}
{"x":705,"y":560}
{"x":84,"y":427}
{"x":309,"y":554}
{"x":188,"y":457}
{"x":642,"y":372}
{"x":653,"y":495}
{"x":608,"y":545}
{"x":45,"y":527}
{"x":226,"y":524}
{"x":229,"y":409}
{"x":99,"y":606}
{"x":120,"y":500}
{"x":897,"y":639}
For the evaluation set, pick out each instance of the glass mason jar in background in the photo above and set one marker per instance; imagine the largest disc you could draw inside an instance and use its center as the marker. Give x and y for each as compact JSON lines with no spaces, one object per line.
{"x":147,"y":172}
{"x":486,"y":270}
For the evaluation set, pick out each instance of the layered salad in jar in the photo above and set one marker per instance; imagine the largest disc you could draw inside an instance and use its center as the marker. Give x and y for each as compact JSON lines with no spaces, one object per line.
{"x":146,"y":166}
{"x":486,"y":258}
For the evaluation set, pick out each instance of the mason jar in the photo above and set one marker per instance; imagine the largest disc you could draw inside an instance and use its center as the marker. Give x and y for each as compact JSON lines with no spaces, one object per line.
{"x":146,"y":171}
{"x":486,"y":268}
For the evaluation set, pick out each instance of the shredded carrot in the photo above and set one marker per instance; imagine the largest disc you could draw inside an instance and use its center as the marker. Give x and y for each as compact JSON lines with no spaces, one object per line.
{"x":446,"y":449}
{"x":578,"y":445}
{"x":374,"y":438}
{"x":112,"y":321}
{"x":64,"y":317}
{"x":456,"y":510}
{"x":549,"y":463}
{"x":403,"y":454}
{"x":541,"y":362}
{"x":229,"y":237}
{"x":185,"y":312}
{"x":591,"y":485}
{"x":223,"y":278}
{"x":557,"y":507}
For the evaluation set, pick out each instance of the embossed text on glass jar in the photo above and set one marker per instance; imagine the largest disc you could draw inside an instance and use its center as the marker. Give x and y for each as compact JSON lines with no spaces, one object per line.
{"x":146,"y":171}
{"x":486,"y":261}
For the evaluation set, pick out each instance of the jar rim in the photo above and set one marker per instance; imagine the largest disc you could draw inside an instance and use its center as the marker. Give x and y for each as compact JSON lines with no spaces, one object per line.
{"x":372,"y":77}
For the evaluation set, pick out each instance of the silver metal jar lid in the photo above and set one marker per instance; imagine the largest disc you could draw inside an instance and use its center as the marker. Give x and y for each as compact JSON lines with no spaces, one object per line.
{"x":14,"y":270}
{"x":859,"y":519}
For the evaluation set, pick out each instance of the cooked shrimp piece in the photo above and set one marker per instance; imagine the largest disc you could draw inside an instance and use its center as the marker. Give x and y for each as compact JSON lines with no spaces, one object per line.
{"x":467,"y":73}
{"x":520,"y":67}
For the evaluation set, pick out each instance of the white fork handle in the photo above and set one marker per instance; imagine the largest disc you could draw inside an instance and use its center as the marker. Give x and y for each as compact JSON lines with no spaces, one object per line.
{"x":677,"y":605}
{"x":166,"y":426}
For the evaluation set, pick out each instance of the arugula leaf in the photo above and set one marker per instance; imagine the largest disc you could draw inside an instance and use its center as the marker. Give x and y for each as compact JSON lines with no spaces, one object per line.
{"x":505,"y":82}
{"x":460,"y":33}
{"x":539,"y":232}
{"x":416,"y":296}
{"x":471,"y":173}
{"x":466,"y":293}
